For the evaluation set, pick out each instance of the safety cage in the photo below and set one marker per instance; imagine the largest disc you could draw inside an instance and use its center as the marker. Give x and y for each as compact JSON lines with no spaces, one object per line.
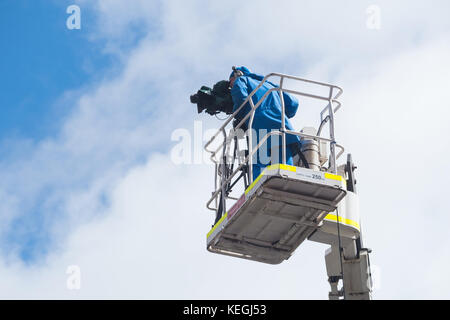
{"x":285,"y":204}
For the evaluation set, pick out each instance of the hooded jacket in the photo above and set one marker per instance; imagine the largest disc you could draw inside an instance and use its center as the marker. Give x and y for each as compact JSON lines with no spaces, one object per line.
{"x":268,"y":114}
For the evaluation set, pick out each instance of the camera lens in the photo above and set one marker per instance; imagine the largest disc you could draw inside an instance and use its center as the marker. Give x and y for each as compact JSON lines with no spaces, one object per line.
{"x":194,"y":98}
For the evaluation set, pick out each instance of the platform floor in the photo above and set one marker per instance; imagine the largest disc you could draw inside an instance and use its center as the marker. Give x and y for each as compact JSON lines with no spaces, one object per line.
{"x":281,"y":208}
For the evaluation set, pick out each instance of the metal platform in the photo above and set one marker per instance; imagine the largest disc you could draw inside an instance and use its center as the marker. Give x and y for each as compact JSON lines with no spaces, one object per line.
{"x":350,"y":229}
{"x":277,"y":212}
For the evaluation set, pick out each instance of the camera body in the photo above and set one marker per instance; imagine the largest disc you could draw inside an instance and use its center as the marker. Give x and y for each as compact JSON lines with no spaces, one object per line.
{"x":215,"y":100}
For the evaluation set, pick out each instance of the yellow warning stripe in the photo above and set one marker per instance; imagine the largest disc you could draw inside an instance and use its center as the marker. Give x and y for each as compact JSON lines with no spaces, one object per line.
{"x":288,"y":167}
{"x":333,"y":176}
{"x":217,"y":224}
{"x":333,"y":217}
{"x":271,"y":167}
{"x":337,"y":178}
{"x":254,"y":182}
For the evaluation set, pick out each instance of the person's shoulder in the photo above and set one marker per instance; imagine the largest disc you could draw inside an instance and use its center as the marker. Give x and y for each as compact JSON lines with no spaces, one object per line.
{"x":240,"y":85}
{"x":272,"y":84}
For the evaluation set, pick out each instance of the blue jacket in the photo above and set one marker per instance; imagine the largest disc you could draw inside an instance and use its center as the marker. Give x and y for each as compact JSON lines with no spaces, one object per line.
{"x":268,"y":114}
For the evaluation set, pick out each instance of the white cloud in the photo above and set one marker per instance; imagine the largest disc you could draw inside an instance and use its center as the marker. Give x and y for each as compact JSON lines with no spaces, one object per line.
{"x":151,"y":244}
{"x":400,"y":118}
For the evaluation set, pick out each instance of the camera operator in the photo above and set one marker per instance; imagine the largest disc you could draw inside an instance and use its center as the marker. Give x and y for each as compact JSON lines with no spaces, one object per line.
{"x":267,"y":116}
{"x":228,"y":96}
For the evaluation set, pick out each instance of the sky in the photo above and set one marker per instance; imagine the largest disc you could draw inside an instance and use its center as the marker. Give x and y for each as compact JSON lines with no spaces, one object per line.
{"x":87,"y":117}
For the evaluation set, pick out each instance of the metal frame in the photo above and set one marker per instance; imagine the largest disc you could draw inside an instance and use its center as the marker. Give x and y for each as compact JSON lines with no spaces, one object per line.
{"x":326,"y":114}
{"x":293,"y":201}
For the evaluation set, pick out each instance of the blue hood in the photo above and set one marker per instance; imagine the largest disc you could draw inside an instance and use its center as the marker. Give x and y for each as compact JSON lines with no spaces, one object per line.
{"x":248,"y":73}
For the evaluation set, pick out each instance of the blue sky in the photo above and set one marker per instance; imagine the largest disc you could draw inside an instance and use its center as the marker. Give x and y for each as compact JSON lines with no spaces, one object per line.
{"x":41,"y":60}
{"x":86,"y":116}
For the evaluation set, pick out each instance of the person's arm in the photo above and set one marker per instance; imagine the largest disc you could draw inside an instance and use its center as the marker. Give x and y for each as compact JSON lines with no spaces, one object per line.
{"x":290,"y":105}
{"x":239,"y":93}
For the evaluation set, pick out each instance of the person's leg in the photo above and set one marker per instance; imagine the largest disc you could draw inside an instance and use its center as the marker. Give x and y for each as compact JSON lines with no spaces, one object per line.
{"x":289,"y":157}
{"x":257,"y":169}
{"x":261,"y":158}
{"x":277,"y":156}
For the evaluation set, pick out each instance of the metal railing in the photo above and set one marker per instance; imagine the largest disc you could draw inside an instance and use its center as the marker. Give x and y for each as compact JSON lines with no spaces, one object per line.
{"x":326,"y":115}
